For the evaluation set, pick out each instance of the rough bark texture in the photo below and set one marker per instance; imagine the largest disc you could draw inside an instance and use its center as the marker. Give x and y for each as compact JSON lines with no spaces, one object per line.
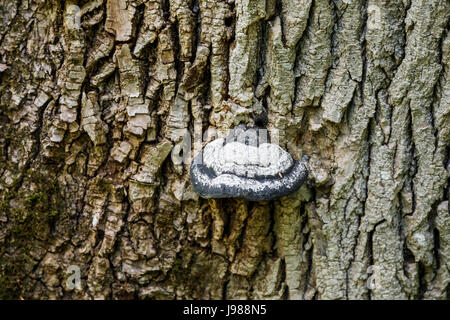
{"x":96,"y":98}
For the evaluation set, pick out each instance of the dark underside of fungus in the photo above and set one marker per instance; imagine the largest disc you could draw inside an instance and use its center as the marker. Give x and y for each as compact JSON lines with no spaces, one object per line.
{"x":246,"y":165}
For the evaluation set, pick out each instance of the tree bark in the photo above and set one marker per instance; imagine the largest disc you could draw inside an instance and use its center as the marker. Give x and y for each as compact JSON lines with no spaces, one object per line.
{"x":97,"y":98}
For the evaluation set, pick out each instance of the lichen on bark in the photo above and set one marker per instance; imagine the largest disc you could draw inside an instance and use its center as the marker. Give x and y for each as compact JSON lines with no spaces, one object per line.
{"x":99,"y":98}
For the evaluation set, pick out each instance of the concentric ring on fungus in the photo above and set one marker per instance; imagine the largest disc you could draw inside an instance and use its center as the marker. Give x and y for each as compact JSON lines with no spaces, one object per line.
{"x":245,"y":165}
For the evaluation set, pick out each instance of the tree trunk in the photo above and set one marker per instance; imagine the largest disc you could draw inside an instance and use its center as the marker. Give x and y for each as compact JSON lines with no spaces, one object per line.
{"x":100,"y":99}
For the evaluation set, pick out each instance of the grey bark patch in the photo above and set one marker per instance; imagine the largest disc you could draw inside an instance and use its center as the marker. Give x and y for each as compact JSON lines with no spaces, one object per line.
{"x":245,"y":166}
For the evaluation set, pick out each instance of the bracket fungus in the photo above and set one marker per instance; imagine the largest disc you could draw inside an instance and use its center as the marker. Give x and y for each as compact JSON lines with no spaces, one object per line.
{"x":246,"y":165}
